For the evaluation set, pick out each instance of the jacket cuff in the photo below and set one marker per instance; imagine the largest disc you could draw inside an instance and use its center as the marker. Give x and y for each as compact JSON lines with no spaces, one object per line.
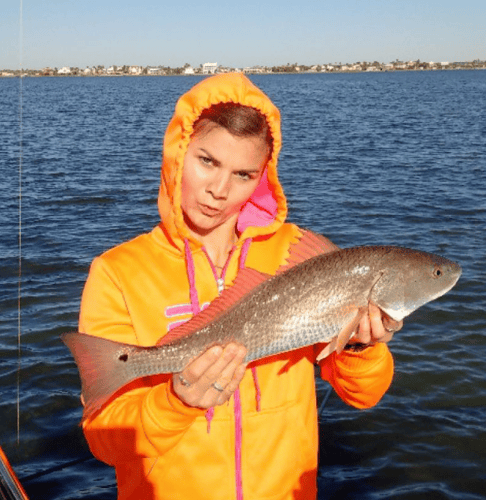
{"x":360,"y":378}
{"x":167,"y":411}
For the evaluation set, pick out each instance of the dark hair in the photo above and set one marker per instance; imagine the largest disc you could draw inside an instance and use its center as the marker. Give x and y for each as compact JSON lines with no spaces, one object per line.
{"x":237,"y":119}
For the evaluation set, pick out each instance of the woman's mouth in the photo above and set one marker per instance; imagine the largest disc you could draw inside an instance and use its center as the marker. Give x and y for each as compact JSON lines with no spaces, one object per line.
{"x":209,"y":211}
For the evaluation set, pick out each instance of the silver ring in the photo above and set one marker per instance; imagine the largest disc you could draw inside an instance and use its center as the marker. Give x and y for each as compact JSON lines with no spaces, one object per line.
{"x":218,"y":387}
{"x":183,"y":381}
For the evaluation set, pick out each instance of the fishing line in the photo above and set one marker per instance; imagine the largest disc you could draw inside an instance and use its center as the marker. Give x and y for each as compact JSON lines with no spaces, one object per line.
{"x":324,"y":401}
{"x":19,"y":287}
{"x":56,"y":468}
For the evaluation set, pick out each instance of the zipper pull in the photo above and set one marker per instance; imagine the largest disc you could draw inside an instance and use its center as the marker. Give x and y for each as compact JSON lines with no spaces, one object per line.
{"x":220,"y":282}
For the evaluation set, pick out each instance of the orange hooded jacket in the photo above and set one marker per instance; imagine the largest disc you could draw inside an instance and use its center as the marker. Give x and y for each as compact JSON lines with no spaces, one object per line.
{"x":263,"y":443}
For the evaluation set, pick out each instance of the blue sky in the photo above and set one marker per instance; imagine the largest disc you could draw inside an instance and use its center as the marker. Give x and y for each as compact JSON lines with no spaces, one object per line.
{"x":83,"y":33}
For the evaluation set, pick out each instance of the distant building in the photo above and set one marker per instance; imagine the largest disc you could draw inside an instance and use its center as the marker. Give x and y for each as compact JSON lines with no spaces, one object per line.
{"x":189,"y":70}
{"x":209,"y":68}
{"x":254,"y":69}
{"x":135,"y":70}
{"x":64,"y":71}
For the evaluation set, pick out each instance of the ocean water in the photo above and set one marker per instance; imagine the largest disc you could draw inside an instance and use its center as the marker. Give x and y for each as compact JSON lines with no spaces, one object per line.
{"x":392,"y":158}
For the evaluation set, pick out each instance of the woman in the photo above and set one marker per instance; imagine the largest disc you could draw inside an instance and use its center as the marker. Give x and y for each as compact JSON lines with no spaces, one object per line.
{"x":219,"y":429}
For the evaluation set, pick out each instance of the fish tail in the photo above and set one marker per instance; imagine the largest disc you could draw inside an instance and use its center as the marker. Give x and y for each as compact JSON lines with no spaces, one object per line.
{"x":101,"y":368}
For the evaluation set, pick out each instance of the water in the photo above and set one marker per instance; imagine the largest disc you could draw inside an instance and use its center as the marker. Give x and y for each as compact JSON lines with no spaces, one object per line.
{"x":394,"y":158}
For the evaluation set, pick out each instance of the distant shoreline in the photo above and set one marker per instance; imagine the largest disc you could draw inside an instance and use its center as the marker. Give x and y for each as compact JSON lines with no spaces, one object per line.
{"x":187,"y":70}
{"x":27,"y":75}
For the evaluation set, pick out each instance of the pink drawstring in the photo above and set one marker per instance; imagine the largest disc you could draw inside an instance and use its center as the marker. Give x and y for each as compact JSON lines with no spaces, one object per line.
{"x":237,"y":402}
{"x":236,"y":396}
{"x":238,"y":442}
{"x":209,"y":417}
{"x":257,"y":387}
{"x":191,"y":274}
{"x":244,"y":252}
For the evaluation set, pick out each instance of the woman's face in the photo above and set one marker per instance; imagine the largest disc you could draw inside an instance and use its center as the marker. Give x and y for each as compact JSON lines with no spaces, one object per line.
{"x":220,"y":173}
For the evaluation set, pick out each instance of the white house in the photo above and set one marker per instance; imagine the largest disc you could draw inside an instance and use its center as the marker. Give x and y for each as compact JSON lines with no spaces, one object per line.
{"x":189,"y":70}
{"x":64,"y":71}
{"x":209,"y":68}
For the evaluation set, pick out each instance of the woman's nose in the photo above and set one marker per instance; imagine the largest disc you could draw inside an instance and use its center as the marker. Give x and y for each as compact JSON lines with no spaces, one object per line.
{"x":219,"y":187}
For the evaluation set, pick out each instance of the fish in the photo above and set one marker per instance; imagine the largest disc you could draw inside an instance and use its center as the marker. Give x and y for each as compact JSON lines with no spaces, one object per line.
{"x":316,"y":298}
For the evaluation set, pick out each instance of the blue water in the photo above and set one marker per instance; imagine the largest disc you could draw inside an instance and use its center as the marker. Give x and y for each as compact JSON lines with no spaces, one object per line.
{"x":393,"y":158}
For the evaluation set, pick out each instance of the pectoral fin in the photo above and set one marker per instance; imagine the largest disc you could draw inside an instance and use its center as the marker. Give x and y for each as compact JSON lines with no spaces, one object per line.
{"x":337,"y":343}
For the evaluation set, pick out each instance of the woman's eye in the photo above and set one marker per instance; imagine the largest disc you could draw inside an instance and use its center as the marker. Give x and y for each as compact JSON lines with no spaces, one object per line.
{"x":205,"y":160}
{"x":244,"y":176}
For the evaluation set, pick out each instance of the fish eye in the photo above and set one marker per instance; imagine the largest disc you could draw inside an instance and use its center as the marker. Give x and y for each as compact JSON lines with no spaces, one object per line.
{"x":437,"y":272}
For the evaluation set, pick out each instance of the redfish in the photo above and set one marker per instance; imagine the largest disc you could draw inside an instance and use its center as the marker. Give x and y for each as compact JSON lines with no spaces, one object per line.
{"x":320,"y":299}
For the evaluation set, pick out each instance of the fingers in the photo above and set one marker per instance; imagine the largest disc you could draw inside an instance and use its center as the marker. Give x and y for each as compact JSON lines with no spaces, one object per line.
{"x":211,"y":378}
{"x":376,"y":326}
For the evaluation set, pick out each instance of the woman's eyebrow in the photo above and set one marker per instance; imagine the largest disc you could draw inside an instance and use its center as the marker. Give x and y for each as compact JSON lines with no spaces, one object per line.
{"x":210,"y":156}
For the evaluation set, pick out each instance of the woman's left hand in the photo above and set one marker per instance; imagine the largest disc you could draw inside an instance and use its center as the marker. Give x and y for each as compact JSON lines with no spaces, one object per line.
{"x":375,"y":327}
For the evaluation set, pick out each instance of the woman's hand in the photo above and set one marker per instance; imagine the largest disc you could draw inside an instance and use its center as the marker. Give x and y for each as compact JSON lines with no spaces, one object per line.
{"x":211,"y":378}
{"x":375,"y":327}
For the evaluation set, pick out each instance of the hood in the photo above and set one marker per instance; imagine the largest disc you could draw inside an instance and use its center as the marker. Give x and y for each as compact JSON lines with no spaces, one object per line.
{"x":266,"y":210}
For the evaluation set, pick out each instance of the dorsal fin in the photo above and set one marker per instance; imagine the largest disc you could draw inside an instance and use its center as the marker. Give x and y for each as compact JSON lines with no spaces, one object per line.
{"x":246,"y":281}
{"x":308,"y":246}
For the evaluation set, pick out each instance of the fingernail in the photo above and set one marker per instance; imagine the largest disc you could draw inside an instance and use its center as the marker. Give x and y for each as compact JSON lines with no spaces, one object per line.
{"x":230,"y":349}
{"x":217,"y":351}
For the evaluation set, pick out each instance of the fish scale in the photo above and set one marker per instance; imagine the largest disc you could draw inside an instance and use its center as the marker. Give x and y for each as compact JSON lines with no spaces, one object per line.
{"x":319,"y":300}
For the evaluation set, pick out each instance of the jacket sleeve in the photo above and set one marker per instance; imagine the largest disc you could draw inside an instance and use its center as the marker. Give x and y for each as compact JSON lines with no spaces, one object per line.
{"x":360,"y":378}
{"x":148,"y":418}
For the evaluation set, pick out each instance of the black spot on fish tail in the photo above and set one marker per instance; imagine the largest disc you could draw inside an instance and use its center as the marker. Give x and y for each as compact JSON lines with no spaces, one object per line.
{"x":123,"y":357}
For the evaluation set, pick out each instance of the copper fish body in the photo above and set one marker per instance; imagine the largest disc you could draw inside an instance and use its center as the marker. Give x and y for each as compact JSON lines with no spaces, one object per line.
{"x":320,"y":300}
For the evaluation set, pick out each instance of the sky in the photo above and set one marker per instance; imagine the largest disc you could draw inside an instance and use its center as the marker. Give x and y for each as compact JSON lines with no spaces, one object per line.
{"x":38,"y":33}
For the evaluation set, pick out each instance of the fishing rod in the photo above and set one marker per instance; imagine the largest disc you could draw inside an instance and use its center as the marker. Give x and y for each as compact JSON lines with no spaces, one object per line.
{"x":10,"y":487}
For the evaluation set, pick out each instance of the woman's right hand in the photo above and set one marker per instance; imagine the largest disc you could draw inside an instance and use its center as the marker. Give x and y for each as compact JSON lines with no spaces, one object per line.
{"x":211,"y":378}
